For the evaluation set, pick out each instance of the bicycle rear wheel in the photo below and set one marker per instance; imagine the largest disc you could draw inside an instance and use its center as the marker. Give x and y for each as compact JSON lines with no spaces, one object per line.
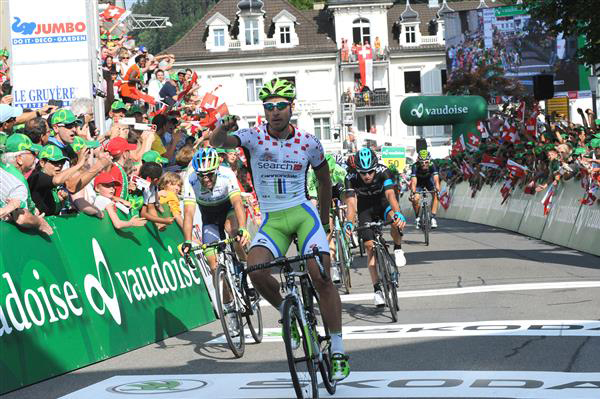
{"x":299,"y":354}
{"x":231,"y":319}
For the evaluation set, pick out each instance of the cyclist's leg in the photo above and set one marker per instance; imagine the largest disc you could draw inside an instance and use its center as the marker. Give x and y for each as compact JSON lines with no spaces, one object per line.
{"x":269,"y":242}
{"x":311,"y":234}
{"x":396,"y":236}
{"x":232,"y":227}
{"x":210,"y":234}
{"x":366,"y":214}
{"x":416,"y":202}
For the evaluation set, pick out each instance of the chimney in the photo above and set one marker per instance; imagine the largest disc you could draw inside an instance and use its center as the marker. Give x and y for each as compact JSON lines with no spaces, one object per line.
{"x":434,"y":3}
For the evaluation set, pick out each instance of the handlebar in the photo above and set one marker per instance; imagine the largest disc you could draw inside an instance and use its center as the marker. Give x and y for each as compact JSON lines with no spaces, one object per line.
{"x":371,"y":225}
{"x":216,"y":244}
{"x":282,"y":261}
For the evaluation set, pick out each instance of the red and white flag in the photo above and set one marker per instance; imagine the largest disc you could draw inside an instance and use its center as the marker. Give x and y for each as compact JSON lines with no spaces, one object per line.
{"x":489,"y":161}
{"x":591,"y":191}
{"x":473,"y":141}
{"x":547,"y":200}
{"x":188,"y":87}
{"x":114,"y":13}
{"x":483,"y":130}
{"x":516,"y":169}
{"x":259,"y":120}
{"x":530,"y":188}
{"x":521,"y":111}
{"x":445,"y":199}
{"x":459,"y":145}
{"x":466,"y":170}
{"x":509,"y":133}
{"x":365,"y":64}
{"x":506,"y":189}
{"x":209,"y":101}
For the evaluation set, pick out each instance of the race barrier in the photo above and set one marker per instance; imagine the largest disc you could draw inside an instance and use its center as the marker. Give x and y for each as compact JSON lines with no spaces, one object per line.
{"x":90,"y":292}
{"x":569,"y":223}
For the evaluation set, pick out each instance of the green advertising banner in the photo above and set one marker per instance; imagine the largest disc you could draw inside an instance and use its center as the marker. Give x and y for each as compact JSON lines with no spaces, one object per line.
{"x":394,"y":156}
{"x":90,"y":292}
{"x":462,"y":112}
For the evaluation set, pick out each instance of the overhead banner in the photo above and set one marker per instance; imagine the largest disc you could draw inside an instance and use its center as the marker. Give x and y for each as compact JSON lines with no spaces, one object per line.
{"x":89,"y":292}
{"x":52,"y":45}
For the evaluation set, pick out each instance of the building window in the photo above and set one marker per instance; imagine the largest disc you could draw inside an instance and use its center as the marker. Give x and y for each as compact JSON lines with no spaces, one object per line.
{"x":410,"y":33}
{"x":219,"y":35}
{"x":412,"y":82}
{"x":366,"y":124}
{"x":251,"y":32}
{"x":322,"y":128}
{"x":251,"y":124}
{"x":444,"y":80}
{"x":415,"y":131}
{"x":252,"y":87}
{"x":361,"y":31}
{"x":285,"y":36}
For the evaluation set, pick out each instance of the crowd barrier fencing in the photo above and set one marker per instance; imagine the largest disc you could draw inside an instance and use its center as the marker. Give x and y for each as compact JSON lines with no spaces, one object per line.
{"x":569,"y":223}
{"x":90,"y":292}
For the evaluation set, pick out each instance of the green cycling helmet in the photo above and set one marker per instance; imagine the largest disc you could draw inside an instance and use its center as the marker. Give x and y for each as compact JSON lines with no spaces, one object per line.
{"x":277,"y":88}
{"x":424,"y":155}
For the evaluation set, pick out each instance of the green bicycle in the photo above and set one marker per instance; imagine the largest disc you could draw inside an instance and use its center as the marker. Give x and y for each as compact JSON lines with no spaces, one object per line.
{"x":342,"y":248}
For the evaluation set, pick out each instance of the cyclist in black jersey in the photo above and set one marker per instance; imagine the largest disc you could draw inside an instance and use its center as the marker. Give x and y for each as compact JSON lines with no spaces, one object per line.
{"x":424,"y":175}
{"x":370,"y":193}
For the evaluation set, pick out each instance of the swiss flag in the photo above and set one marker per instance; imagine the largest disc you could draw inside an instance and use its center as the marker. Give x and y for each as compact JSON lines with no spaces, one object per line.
{"x":531,"y":126}
{"x":482,"y":129}
{"x":530,"y":188}
{"x":188,"y":87}
{"x":521,"y":111}
{"x":365,"y":64}
{"x":209,"y":101}
{"x":466,"y":170}
{"x":491,"y":162}
{"x":445,"y":200}
{"x":140,"y":95}
{"x":506,"y":189}
{"x":114,"y":13}
{"x":459,"y":145}
{"x":516,"y":169}
{"x":473,"y":141}
{"x":510,"y":133}
{"x":547,"y":200}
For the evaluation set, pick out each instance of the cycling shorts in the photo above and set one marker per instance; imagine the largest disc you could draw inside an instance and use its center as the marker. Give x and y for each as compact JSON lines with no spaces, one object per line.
{"x":425,"y":184}
{"x":213,"y":223}
{"x":372,"y":210}
{"x":279,"y":227}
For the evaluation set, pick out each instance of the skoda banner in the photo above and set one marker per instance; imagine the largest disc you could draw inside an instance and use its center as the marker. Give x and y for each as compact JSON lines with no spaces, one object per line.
{"x":53,"y":48}
{"x":463,"y":112}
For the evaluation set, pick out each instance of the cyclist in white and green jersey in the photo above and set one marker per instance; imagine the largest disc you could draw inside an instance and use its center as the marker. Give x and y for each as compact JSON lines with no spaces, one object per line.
{"x":279,"y":155}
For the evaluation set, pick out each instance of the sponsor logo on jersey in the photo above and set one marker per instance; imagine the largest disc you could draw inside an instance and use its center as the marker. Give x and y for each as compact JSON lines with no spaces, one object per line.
{"x":279,"y":166}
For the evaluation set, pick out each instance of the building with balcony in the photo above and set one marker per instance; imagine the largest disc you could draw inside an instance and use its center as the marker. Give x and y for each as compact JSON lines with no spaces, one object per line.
{"x":239,"y":44}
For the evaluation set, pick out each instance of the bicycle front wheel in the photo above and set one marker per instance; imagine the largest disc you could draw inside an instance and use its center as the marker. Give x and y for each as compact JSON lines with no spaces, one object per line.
{"x":299,"y":350}
{"x":254,"y":319}
{"x":391,"y":269}
{"x":342,"y":257}
{"x":385,"y":281}
{"x":230,"y":316}
{"x":425,"y":223}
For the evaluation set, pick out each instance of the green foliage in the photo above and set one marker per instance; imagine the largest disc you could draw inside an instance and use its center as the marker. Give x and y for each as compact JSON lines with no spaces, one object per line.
{"x":183,"y":14}
{"x":486,"y":81}
{"x":302,"y":4}
{"x":572,"y":18}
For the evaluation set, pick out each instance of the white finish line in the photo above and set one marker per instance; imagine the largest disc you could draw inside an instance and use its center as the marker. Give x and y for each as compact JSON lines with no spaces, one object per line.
{"x":537,"y":328}
{"x":474,"y":290}
{"x":377,"y":384}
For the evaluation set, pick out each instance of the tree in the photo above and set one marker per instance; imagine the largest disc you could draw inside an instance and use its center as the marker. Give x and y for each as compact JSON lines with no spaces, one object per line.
{"x":571,"y":18}
{"x":183,"y":14}
{"x":486,"y":81}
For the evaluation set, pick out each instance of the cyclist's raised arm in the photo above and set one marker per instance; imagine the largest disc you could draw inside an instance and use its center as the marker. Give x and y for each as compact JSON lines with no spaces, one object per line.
{"x":219,"y":137}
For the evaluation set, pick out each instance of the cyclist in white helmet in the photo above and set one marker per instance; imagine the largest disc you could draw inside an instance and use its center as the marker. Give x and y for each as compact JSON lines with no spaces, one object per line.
{"x":215,"y":189}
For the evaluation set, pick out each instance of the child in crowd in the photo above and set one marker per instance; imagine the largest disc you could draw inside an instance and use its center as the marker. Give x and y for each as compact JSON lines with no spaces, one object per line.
{"x":105,"y":185}
{"x":170,"y":185}
{"x":150,"y":174}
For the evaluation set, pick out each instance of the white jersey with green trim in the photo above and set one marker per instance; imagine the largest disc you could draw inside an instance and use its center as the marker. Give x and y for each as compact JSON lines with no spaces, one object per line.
{"x":279,"y":167}
{"x":225,"y":186}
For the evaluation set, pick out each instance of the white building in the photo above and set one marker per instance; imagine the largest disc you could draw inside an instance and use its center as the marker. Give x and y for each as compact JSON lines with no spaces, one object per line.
{"x":239,"y":45}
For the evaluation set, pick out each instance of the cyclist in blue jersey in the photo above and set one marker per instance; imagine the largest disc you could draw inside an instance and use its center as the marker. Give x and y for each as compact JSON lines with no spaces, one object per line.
{"x":279,"y":155}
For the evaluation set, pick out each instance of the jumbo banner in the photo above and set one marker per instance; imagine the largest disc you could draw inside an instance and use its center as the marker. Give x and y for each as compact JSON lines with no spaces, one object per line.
{"x":90,"y":292}
{"x":51,"y":41}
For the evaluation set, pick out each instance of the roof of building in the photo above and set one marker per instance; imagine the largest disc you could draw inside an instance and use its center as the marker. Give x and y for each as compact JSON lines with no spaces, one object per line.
{"x":314,"y":28}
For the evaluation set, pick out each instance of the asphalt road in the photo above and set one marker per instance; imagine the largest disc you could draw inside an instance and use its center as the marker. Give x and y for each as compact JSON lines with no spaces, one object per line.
{"x":484,"y":313}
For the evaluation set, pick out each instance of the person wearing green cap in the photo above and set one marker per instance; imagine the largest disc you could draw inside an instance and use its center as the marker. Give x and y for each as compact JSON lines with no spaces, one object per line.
{"x":19,"y":160}
{"x":118,"y":110}
{"x":154,"y":156}
{"x":47,"y":181}
{"x":65,"y":126}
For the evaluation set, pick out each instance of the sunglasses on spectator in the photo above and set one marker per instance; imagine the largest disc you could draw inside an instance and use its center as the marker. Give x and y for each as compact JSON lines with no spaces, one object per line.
{"x":281,"y":105}
{"x":370,"y":172}
{"x":57,"y":163}
{"x":70,"y":125}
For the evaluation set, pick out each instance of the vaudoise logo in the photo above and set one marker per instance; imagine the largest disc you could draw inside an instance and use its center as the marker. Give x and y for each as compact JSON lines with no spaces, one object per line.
{"x":104,"y":290}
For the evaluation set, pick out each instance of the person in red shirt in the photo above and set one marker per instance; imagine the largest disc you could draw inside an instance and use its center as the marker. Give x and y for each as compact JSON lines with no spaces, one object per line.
{"x":120,"y":149}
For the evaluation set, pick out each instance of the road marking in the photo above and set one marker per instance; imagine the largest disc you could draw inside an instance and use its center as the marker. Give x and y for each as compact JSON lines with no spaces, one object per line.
{"x":474,"y":290}
{"x":537,"y":328}
{"x":377,"y":384}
